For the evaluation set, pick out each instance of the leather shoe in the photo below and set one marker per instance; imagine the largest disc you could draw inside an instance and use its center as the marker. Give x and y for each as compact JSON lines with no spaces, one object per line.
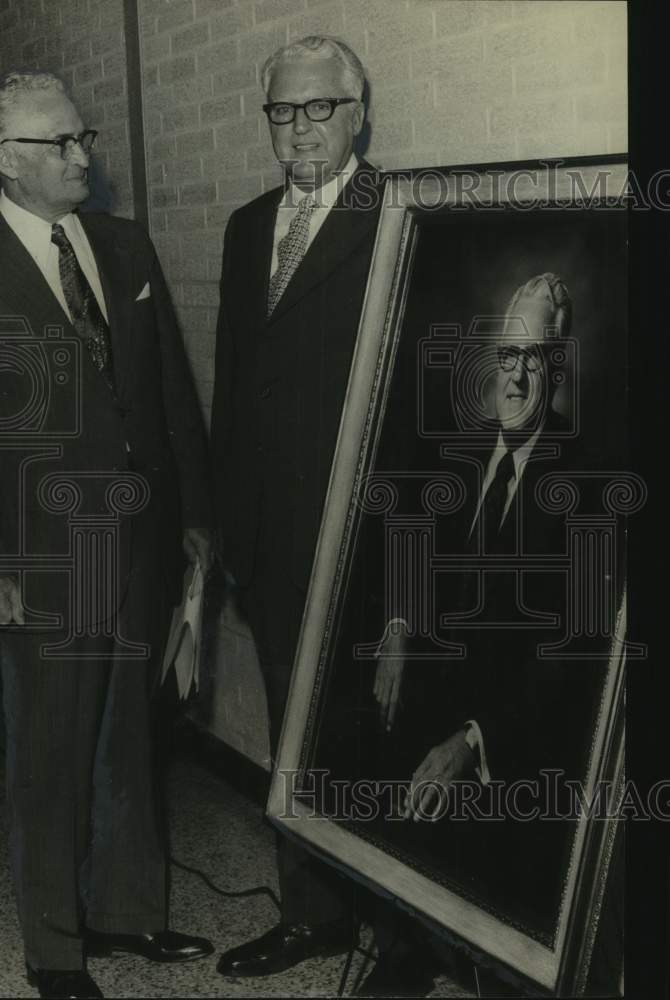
{"x":164,"y":946}
{"x":285,"y":946}
{"x":61,"y":984}
{"x":396,"y":979}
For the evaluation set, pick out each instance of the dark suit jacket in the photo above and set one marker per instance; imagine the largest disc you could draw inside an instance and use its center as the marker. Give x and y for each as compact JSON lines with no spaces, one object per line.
{"x":518,"y":696}
{"x":280,"y":383}
{"x":156,"y":413}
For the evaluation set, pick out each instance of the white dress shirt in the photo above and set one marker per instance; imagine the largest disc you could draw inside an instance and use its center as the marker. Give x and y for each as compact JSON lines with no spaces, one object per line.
{"x":325,"y":197}
{"x":35,"y":234}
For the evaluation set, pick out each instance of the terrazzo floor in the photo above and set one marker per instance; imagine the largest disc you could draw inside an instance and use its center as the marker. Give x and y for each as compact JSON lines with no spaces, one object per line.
{"x":220,"y":832}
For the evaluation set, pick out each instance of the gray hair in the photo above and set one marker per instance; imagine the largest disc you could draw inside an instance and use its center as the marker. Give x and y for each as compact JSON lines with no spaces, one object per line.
{"x":16,"y":83}
{"x":552,"y":289}
{"x":320,"y":47}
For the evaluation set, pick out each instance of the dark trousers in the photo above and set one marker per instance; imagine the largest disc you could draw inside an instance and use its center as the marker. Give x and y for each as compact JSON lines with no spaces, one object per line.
{"x":85,"y":842}
{"x":311,"y":891}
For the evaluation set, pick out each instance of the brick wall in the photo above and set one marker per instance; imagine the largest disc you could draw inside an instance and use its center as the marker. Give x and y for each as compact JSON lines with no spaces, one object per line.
{"x":451,"y":81}
{"x":83,"y":42}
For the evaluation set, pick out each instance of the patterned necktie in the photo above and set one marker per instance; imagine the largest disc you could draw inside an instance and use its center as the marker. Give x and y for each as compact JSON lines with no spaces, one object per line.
{"x":87,"y":318}
{"x":290,"y":250}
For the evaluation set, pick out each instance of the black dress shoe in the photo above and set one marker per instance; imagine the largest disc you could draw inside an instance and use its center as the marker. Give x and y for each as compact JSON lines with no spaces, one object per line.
{"x":164,"y":946}
{"x":285,"y":946}
{"x":61,"y":984}
{"x":397,"y":979}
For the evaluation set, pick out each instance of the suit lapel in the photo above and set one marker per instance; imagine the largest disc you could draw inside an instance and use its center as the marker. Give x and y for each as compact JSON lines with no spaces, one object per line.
{"x":28,"y":291}
{"x":261,"y":241}
{"x":339,"y":234}
{"x":114,"y":269}
{"x":525,"y":516}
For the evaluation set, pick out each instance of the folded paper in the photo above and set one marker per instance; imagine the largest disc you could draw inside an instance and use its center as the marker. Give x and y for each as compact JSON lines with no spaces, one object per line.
{"x":183,"y":645}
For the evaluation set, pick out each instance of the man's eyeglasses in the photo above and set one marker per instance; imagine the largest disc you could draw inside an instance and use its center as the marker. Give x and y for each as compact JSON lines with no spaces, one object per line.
{"x":67,"y":143}
{"x":320,"y":109}
{"x":531,"y":358}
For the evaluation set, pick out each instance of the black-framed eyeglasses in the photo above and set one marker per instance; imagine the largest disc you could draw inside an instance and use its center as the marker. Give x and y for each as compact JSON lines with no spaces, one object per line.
{"x":67,"y":143}
{"x":319,"y":109}
{"x":531,"y":358}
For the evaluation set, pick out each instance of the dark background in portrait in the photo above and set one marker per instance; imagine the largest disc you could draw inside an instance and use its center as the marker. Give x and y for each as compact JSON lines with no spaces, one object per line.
{"x":469,"y":270}
{"x":462,"y":270}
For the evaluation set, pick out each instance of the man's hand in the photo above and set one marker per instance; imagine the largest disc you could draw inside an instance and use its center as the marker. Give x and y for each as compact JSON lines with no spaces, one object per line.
{"x":198,"y":546}
{"x":11,"y":606}
{"x":390,"y":667}
{"x":445,"y":763}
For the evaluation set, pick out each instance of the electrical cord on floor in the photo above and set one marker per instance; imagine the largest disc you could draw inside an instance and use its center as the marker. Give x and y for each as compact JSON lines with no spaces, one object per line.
{"x":258,"y":890}
{"x":265,"y":890}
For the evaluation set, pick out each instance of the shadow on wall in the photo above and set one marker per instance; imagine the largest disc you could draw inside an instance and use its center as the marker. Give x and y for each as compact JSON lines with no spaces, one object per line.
{"x":101,"y":190}
{"x":362,"y":143}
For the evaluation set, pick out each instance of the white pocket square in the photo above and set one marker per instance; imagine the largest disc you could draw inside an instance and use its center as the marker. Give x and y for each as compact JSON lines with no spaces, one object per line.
{"x":145,"y":293}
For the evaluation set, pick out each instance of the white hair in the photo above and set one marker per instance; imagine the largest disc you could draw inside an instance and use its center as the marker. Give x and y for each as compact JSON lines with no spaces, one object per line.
{"x":552,"y":288}
{"x":16,"y":83}
{"x":320,"y":47}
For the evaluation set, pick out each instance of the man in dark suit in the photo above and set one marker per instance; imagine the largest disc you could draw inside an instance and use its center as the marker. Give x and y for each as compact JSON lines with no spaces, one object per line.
{"x":295,"y":266}
{"x":103,"y":461}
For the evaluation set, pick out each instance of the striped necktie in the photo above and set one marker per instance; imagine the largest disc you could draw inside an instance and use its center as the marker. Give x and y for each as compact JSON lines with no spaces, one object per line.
{"x":87,"y":318}
{"x":290,"y":250}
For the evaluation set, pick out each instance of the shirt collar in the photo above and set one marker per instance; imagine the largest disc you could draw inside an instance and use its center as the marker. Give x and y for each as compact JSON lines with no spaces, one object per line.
{"x":33,"y":231}
{"x":520,"y":455}
{"x":326,"y":196}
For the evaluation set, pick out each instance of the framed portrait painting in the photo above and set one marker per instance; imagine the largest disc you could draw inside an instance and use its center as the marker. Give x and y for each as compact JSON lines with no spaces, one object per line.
{"x":454,"y":732}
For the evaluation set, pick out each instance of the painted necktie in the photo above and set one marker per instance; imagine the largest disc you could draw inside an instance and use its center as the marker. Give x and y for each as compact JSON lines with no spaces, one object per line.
{"x":493,"y":505}
{"x":485,"y":537}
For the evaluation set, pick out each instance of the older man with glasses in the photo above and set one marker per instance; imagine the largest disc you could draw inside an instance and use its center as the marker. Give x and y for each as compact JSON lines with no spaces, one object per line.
{"x":103,"y":479}
{"x":295,"y":268}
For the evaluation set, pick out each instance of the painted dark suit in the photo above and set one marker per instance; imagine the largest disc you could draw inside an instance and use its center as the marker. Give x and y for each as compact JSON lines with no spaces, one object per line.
{"x":536,"y":710}
{"x":280,"y":387}
{"x":79,"y":756}
{"x":520,"y":699}
{"x":503,"y":676}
